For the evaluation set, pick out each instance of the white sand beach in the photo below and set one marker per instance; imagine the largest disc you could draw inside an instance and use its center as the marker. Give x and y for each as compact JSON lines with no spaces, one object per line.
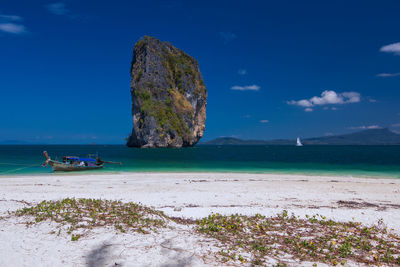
{"x":187,"y":195}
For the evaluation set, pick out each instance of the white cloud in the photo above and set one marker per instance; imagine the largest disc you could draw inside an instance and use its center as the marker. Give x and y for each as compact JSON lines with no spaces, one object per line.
{"x":10,"y":18}
{"x":372,"y":100}
{"x":351,"y":97}
{"x":8,"y":24}
{"x":246,"y":88}
{"x":396,"y":125}
{"x":58,"y":8}
{"x":301,"y":103}
{"x":374,"y":127}
{"x":383,"y":75}
{"x":246,"y":116}
{"x":12,"y":28}
{"x":332,"y":108}
{"x":365,"y":127}
{"x":308,"y":110}
{"x":242,"y":72}
{"x":391,"y":48}
{"x":264,"y":121}
{"x":227,"y":36}
{"x":328,"y":97}
{"x":328,"y":134}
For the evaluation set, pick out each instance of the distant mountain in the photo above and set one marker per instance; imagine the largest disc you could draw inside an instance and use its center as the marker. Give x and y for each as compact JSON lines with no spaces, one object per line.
{"x":367,"y":137}
{"x":229,"y":141}
{"x":13,"y":142}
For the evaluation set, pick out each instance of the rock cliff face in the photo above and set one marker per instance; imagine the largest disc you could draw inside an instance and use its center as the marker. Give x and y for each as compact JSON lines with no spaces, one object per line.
{"x":168,"y":96}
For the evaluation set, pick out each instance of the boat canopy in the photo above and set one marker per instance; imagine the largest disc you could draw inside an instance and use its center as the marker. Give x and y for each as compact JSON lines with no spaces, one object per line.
{"x":80,"y":159}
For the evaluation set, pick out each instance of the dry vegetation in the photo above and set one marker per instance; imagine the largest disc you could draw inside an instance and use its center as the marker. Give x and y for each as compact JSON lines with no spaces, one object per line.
{"x":313,"y":239}
{"x":82,"y":213}
{"x":243,"y":238}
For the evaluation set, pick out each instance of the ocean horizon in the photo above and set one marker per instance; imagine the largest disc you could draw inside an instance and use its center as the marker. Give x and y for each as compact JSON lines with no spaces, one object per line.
{"x":359,"y":161}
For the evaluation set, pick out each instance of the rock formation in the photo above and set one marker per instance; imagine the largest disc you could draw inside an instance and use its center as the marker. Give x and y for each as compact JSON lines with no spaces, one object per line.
{"x":168,"y":96}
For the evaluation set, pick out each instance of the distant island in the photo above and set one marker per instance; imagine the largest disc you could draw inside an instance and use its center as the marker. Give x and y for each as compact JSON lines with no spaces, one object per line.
{"x":13,"y":142}
{"x":367,"y":137}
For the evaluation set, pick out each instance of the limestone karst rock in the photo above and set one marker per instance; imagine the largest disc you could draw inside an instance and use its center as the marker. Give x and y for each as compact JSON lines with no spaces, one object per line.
{"x":168,"y":96}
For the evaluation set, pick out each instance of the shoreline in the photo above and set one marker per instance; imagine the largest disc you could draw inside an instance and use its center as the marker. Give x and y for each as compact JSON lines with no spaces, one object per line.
{"x":184,"y":195}
{"x":284,"y":173}
{"x":287,"y":187}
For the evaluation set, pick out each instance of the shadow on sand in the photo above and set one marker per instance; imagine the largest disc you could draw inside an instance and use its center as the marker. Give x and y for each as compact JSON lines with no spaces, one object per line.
{"x":176,"y":257}
{"x":98,"y":256}
{"x":179,"y":262}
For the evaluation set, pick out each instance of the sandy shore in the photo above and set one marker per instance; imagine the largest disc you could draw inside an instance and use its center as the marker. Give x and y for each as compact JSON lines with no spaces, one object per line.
{"x":189,"y":195}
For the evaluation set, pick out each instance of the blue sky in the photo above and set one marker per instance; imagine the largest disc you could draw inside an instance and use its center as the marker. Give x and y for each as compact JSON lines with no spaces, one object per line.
{"x":273,"y":69}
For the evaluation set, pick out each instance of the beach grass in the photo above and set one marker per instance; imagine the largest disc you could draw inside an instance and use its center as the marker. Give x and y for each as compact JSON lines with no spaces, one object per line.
{"x":250,"y":239}
{"x":79,"y":214}
{"x":312,"y":239}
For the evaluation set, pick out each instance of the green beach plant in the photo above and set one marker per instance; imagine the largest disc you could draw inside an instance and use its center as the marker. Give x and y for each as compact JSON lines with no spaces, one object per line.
{"x":311,"y":239}
{"x":79,"y":214}
{"x":242,"y":238}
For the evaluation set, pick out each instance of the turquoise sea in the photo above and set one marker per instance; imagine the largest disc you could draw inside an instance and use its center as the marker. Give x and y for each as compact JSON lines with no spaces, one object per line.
{"x":370,"y":161}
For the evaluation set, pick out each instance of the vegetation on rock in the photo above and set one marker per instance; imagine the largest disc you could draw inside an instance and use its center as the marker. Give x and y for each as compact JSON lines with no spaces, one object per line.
{"x":168,"y":94}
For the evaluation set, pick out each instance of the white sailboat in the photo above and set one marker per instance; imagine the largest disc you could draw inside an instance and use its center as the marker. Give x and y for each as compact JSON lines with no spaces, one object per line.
{"x":298,"y":142}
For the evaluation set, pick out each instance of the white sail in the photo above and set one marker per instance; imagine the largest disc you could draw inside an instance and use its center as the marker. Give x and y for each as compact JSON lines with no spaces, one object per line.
{"x":298,"y":142}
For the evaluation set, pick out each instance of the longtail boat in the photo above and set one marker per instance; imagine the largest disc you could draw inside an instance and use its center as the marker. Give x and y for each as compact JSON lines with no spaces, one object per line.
{"x":72,"y":163}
